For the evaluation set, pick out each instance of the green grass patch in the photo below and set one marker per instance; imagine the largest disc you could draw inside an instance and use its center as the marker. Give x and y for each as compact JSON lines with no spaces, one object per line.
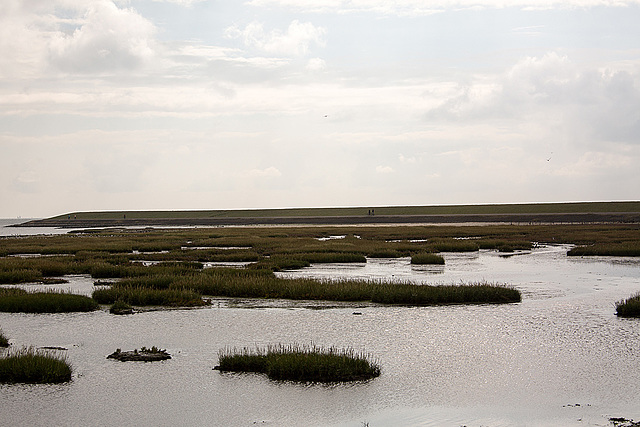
{"x":14,"y":300}
{"x":427,"y":258}
{"x":239,"y":284}
{"x":29,"y":365}
{"x":610,"y":249}
{"x":629,"y":307}
{"x":121,"y":307}
{"x":474,"y":293}
{"x":300,"y":363}
{"x":453,"y":245}
{"x":138,"y":296}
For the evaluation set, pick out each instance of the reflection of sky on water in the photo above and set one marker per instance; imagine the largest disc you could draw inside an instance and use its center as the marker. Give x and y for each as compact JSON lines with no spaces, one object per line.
{"x":561,"y":357}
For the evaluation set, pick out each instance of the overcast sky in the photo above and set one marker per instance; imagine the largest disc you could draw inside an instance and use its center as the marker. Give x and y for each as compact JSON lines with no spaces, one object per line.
{"x":223,"y":104}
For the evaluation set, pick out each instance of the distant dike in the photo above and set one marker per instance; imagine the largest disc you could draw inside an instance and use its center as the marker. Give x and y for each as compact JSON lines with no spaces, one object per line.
{"x":245,"y":218}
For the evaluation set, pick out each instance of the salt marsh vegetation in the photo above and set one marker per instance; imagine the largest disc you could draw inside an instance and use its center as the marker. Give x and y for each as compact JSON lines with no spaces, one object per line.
{"x":30,"y":365}
{"x":300,"y":363}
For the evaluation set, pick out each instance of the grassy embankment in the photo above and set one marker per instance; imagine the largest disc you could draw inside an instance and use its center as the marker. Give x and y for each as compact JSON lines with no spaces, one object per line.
{"x":300,"y":363}
{"x":526,"y":208}
{"x":29,"y":365}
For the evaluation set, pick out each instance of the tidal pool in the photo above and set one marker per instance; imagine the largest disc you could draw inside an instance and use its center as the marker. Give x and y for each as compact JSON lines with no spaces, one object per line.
{"x":559,"y":358}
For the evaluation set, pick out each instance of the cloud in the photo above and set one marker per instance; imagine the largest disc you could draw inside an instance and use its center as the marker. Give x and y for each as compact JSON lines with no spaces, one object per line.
{"x":421,"y":7}
{"x":296,"y":40}
{"x":261,"y":173}
{"x":186,"y":3}
{"x":316,"y":64}
{"x":107,"y":38}
{"x":384,"y":169}
{"x":554,"y":93}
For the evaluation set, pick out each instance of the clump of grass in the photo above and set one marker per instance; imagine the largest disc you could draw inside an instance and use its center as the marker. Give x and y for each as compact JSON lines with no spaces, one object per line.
{"x":281,"y":262}
{"x":384,"y":253}
{"x":23,"y":275}
{"x":121,"y":307}
{"x":4,"y":341}
{"x":474,"y":293}
{"x":300,"y":363}
{"x":427,"y":258}
{"x":608,"y":249}
{"x":453,"y":245}
{"x":243,"y":285}
{"x":14,"y":300}
{"x":139,"y":296}
{"x":29,"y":365}
{"x":629,"y":307}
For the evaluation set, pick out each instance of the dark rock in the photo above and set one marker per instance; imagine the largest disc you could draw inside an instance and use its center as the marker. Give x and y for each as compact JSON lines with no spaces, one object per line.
{"x":142,"y":355}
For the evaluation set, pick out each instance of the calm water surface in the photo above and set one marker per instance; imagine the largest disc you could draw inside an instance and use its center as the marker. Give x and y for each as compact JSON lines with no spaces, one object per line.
{"x":559,"y":358}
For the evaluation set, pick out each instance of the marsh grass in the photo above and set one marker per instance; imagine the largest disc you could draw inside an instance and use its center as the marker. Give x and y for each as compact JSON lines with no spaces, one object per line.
{"x":629,"y":307}
{"x":120,"y":308}
{"x":242,"y":285}
{"x":29,"y":365}
{"x":422,"y":295}
{"x":427,"y":258}
{"x":452,"y":245}
{"x":607,"y":249}
{"x":301,"y":363}
{"x":14,"y":300}
{"x":138,"y":296}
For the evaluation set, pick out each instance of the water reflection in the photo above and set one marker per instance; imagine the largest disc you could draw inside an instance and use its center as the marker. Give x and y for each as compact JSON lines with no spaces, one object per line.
{"x":561,"y":357}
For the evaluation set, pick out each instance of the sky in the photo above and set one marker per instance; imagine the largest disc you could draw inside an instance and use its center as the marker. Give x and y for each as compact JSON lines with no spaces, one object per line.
{"x":232,"y":104}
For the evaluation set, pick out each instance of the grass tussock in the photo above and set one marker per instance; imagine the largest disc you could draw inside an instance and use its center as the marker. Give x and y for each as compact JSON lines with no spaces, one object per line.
{"x":629,"y":307}
{"x":609,"y":249}
{"x":138,"y":296}
{"x":29,"y":365}
{"x":474,"y":293}
{"x":14,"y":300}
{"x":301,"y":363}
{"x":241,"y":285}
{"x":4,"y":341}
{"x":427,"y":258}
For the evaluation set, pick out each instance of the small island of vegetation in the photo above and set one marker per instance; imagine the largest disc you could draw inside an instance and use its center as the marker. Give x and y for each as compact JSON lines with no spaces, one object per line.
{"x":629,"y":307}
{"x":15,"y":300}
{"x":29,"y":365}
{"x":153,"y":354}
{"x":300,"y":363}
{"x":4,"y":341}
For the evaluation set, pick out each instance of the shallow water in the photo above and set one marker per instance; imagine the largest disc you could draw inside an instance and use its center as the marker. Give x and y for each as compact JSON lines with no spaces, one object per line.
{"x":561,"y":357}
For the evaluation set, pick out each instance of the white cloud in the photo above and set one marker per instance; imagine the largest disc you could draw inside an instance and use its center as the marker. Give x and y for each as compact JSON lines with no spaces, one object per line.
{"x":421,"y":7}
{"x":384,"y":169}
{"x":261,"y":173}
{"x":316,"y":64}
{"x":107,"y":38}
{"x":296,"y":40}
{"x":187,"y":3}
